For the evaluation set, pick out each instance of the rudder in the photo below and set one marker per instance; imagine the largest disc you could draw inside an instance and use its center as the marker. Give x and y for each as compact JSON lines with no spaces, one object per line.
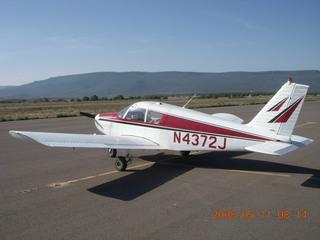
{"x":280,"y":114}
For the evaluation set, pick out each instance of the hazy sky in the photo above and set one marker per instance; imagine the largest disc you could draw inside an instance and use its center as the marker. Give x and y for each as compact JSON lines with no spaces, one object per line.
{"x":46,"y":38}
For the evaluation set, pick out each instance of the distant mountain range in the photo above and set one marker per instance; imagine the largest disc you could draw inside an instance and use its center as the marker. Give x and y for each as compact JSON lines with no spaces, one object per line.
{"x":2,"y":87}
{"x":109,"y":84}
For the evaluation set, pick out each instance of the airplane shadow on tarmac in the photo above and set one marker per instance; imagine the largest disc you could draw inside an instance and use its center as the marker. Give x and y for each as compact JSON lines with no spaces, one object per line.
{"x":168,"y":167}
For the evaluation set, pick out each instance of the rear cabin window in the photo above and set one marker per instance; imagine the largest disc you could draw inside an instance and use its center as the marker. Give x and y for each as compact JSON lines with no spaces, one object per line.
{"x":154,"y":117}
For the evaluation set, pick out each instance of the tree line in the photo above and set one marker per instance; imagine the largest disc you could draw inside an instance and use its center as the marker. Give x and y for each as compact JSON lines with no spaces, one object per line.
{"x":155,"y":97}
{"x":118,"y":97}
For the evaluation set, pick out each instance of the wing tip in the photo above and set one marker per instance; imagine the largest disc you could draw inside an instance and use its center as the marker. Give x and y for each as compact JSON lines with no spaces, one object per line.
{"x":21,"y":136}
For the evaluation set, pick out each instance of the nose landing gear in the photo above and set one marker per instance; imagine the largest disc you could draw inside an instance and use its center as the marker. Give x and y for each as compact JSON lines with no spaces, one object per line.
{"x":112,"y":152}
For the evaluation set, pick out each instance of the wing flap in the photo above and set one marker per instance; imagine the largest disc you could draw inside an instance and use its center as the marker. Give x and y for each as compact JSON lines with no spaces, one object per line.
{"x":85,"y":140}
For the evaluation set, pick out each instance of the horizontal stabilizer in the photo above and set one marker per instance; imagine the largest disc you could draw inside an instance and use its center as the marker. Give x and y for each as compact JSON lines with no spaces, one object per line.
{"x":85,"y":140}
{"x":300,"y":141}
{"x":280,"y":148}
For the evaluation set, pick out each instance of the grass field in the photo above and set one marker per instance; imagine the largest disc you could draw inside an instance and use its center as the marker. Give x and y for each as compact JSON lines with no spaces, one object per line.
{"x":37,"y":110}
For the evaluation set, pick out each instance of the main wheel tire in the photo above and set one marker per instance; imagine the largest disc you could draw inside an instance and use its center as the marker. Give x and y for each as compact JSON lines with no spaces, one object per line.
{"x":112,"y":152}
{"x":121,"y":164}
{"x":185,"y":153}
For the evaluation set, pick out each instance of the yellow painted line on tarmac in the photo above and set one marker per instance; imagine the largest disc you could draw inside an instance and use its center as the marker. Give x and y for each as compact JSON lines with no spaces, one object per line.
{"x":174,"y":164}
{"x":108,"y":173}
{"x":116,"y":171}
{"x":90,"y":177}
{"x":261,"y":173}
{"x":229,"y":170}
{"x":305,"y":124}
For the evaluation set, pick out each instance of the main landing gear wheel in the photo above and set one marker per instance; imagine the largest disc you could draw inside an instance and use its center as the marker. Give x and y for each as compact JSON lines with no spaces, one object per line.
{"x":112,"y":152}
{"x":121,"y":163}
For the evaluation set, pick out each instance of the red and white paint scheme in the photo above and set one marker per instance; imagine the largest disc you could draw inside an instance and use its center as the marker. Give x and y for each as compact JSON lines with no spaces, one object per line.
{"x":156,"y":125}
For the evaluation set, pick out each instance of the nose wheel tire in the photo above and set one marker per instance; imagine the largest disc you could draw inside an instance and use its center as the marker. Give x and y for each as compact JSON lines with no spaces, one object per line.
{"x":121,"y":163}
{"x":112,"y":152}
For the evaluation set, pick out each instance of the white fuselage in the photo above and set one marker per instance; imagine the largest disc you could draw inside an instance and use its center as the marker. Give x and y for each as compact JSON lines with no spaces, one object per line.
{"x":180,"y":129}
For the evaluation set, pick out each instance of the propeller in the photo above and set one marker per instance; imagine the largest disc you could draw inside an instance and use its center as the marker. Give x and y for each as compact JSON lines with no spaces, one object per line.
{"x":87,"y":115}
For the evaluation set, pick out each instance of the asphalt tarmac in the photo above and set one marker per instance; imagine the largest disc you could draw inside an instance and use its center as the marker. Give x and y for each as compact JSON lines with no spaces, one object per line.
{"x":55,"y":193}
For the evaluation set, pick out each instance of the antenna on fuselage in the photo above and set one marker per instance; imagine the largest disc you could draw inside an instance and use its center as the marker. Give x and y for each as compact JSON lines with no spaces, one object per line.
{"x":190,"y":100}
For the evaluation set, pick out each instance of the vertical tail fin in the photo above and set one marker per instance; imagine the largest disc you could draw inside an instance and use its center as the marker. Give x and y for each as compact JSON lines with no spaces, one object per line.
{"x":281,"y":112}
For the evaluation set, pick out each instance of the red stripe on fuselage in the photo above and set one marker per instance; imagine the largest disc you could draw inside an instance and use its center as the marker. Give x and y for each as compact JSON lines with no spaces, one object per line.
{"x":185,"y":124}
{"x":109,"y":115}
{"x":169,"y":122}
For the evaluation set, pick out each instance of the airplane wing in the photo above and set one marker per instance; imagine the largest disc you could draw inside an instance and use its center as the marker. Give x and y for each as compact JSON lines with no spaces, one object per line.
{"x":85,"y":140}
{"x":280,"y":148}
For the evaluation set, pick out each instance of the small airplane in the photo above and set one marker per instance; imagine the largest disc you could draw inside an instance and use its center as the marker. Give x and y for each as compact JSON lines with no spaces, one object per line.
{"x":156,"y":125}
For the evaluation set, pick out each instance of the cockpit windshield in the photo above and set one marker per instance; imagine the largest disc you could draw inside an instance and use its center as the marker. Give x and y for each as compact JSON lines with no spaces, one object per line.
{"x":123,"y":112}
{"x":134,"y":113}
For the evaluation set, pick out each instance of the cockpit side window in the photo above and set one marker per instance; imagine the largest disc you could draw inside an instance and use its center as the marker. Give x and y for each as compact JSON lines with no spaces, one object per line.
{"x":140,"y":114}
{"x":154,"y":117}
{"x":137,"y":114}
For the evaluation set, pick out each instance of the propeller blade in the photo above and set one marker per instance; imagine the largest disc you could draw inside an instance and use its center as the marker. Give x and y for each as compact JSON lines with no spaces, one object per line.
{"x":87,"y":115}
